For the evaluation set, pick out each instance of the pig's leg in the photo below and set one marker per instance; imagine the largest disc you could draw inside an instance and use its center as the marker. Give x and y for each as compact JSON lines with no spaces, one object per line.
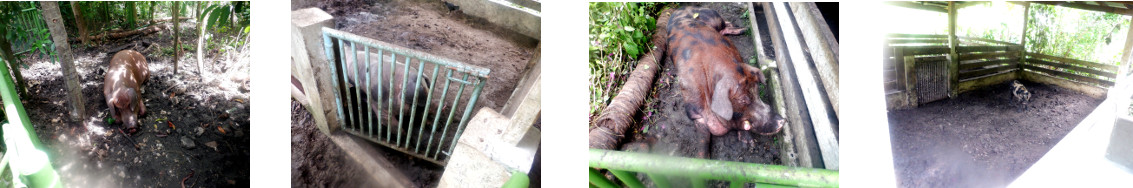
{"x":730,"y":29}
{"x":141,"y":105}
{"x":745,"y":137}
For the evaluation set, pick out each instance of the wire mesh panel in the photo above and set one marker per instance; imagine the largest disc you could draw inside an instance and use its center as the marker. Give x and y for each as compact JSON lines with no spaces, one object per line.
{"x":26,"y":30}
{"x":404,"y":99}
{"x":932,"y":80}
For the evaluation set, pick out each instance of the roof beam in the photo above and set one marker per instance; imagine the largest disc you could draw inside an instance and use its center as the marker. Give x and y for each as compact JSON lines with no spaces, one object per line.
{"x":1085,"y":6}
{"x":921,"y":6}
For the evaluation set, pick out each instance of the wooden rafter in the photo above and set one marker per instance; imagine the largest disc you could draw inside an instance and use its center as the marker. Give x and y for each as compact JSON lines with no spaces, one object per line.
{"x":919,"y":5}
{"x":1085,"y":6}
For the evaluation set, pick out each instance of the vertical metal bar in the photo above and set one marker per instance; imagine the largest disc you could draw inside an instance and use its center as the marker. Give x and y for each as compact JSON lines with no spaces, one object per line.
{"x":448,"y":121}
{"x":389,"y":100}
{"x":627,"y":178}
{"x":379,"y":105}
{"x":425,"y":117}
{"x":401,"y":101}
{"x":413,"y":109}
{"x":349,"y":105}
{"x":329,"y":47}
{"x":659,"y":180}
{"x":598,"y":180}
{"x":467,"y":111}
{"x":366,"y":86}
{"x":437,"y":118}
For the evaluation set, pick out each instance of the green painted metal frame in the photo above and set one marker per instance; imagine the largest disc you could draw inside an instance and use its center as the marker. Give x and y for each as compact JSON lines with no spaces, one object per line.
{"x":657,"y":167}
{"x":21,"y":142}
{"x":335,"y":44}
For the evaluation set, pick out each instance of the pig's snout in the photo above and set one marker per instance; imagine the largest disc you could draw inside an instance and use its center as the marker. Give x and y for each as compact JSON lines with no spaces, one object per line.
{"x":123,"y":109}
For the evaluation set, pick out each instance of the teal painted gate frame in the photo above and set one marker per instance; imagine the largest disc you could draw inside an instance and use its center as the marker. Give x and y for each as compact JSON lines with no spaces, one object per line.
{"x":356,"y":116}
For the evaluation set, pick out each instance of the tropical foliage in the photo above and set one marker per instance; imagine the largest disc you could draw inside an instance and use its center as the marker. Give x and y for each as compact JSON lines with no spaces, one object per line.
{"x":619,"y":35}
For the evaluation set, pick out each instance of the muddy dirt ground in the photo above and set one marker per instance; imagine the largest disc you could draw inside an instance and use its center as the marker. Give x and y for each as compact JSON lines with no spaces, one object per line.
{"x":425,"y":26}
{"x":671,"y":132}
{"x":982,"y":138}
{"x":318,"y":162}
{"x":157,"y":155}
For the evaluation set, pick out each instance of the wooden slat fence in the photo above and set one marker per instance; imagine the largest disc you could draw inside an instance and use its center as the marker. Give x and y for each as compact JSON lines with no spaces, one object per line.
{"x":1086,"y":72}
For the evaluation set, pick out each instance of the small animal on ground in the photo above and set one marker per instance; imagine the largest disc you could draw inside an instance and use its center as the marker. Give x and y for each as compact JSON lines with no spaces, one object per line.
{"x":1020,"y":92}
{"x":719,"y":90}
{"x":127,"y":71}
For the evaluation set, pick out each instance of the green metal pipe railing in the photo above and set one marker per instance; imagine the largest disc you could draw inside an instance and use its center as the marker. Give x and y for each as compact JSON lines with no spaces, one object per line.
{"x":342,"y":47}
{"x":30,"y":165}
{"x":657,"y":167}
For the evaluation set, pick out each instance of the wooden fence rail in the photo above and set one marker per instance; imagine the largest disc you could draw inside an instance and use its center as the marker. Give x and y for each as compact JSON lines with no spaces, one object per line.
{"x":983,"y":62}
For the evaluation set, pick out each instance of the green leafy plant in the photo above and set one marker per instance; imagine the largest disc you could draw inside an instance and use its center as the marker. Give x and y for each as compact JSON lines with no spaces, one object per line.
{"x":619,"y":34}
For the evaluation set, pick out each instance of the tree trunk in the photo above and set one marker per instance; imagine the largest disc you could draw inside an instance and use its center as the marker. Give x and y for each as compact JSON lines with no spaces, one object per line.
{"x":611,"y":125}
{"x":79,"y":21}
{"x":117,"y":34}
{"x":70,"y":76}
{"x":13,"y":62}
{"x":197,"y":12}
{"x":176,"y":35}
{"x":131,"y":15}
{"x":152,"y":11}
{"x":200,"y":42}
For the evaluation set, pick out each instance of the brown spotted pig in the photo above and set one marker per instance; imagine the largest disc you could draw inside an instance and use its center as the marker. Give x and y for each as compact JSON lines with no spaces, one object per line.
{"x":719,"y":90}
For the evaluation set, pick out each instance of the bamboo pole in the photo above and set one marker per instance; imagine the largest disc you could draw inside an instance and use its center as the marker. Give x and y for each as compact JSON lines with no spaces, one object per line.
{"x":713,"y":169}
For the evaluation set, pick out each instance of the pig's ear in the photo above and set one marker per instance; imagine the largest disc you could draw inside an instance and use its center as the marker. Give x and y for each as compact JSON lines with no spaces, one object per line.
{"x":756,"y":72}
{"x":721,"y":104}
{"x":113,"y":109}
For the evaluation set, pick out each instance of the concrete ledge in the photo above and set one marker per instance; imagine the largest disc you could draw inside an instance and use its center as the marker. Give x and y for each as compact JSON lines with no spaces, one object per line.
{"x":363,"y":154}
{"x":469,"y":165}
{"x":494,"y":146}
{"x":524,"y":21}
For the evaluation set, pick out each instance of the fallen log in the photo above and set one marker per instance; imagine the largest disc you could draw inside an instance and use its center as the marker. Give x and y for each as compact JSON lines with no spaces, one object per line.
{"x":119,"y":34}
{"x":608,"y":130}
{"x":159,"y":20}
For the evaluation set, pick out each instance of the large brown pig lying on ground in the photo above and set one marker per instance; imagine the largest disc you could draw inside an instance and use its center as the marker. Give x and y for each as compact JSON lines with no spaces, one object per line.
{"x":719,"y":90}
{"x":123,"y":78}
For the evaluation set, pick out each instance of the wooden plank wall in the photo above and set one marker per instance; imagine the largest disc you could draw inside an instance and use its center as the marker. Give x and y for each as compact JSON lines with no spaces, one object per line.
{"x":1087,"y":77}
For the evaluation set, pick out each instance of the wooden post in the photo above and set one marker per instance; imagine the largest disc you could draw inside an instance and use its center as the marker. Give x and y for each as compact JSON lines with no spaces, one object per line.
{"x":1127,"y":52}
{"x":176,"y":35}
{"x":953,"y":58}
{"x":1023,"y":40}
{"x":70,"y":76}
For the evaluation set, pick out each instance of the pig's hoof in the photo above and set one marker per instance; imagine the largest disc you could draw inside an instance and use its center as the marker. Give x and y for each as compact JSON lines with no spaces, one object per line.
{"x":745,"y":138}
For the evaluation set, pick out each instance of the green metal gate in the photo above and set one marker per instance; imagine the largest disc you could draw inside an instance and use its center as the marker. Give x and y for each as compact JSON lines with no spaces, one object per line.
{"x":429,"y":133}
